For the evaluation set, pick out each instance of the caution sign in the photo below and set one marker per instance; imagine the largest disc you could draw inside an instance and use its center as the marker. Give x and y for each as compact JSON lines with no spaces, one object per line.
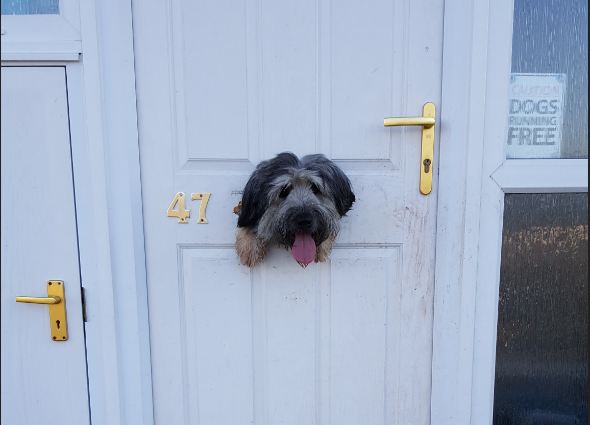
{"x":536,"y":104}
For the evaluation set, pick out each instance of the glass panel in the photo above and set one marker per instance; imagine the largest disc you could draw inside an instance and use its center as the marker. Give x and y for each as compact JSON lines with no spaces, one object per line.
{"x":542,"y":345}
{"x":548,"y":105}
{"x":30,"y":7}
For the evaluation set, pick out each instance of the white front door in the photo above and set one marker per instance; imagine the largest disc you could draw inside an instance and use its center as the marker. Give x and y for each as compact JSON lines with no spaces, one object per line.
{"x":223,"y":85}
{"x":43,"y":380}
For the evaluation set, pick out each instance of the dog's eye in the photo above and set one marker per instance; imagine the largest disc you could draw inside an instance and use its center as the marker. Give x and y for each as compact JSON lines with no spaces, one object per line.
{"x":315,"y":189}
{"x":285,"y":192}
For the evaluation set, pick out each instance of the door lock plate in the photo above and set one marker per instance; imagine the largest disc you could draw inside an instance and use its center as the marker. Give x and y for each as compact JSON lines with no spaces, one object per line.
{"x":57,"y":312}
{"x":427,"y":154}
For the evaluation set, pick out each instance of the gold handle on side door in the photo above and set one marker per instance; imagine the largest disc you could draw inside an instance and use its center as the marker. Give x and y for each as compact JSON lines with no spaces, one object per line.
{"x":428,"y":122}
{"x":56,"y":300}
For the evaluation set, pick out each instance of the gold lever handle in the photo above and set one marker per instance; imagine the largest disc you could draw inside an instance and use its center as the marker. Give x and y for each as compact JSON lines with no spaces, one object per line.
{"x":398,"y":121}
{"x":39,"y":300}
{"x":427,"y":121}
{"x":56,"y":299}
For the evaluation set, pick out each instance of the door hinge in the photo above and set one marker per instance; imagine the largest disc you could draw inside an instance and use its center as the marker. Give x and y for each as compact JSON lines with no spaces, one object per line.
{"x":83,"y":297}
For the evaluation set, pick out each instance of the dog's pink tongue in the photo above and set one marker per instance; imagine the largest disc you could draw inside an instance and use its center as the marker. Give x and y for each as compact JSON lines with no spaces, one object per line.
{"x":303,"y":249}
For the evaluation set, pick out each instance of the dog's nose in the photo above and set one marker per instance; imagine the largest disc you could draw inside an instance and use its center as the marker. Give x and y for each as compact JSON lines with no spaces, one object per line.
{"x":304,"y":221}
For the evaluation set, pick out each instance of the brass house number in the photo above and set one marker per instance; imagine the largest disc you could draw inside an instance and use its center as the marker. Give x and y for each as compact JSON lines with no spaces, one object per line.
{"x":177,"y":207}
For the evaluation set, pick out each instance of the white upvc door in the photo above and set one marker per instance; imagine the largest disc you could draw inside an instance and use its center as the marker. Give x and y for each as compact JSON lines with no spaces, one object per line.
{"x":223,"y":85}
{"x":43,"y":376}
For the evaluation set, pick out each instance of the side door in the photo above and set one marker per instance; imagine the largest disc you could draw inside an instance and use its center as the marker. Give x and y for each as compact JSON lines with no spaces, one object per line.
{"x":511,"y":306}
{"x":532,"y":315}
{"x":44,"y":378}
{"x":222,"y":86}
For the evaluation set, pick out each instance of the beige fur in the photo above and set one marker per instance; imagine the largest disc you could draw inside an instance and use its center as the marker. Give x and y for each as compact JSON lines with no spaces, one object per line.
{"x":324,"y":250}
{"x":249,"y":248}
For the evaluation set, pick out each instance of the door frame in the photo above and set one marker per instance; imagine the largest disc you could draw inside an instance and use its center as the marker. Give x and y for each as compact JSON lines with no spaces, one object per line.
{"x":110,"y":219}
{"x":474,"y":176}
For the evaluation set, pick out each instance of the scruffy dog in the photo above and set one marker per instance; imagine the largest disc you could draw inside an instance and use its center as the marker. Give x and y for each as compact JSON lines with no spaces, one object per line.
{"x":294,"y":203}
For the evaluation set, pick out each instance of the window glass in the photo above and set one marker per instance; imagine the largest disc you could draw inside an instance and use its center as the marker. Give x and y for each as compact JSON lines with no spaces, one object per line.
{"x":548,"y":95}
{"x":30,"y":7}
{"x":542,"y":344}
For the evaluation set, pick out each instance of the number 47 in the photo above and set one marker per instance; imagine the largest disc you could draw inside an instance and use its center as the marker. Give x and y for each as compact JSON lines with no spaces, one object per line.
{"x":178,"y":209}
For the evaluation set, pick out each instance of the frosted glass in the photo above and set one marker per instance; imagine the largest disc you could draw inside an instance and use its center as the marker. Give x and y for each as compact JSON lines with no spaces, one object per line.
{"x":30,"y":7}
{"x":542,"y":345}
{"x":549,"y":61}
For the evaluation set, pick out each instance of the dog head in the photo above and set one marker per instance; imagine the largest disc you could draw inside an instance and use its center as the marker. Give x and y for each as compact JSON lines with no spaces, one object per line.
{"x":295,"y":203}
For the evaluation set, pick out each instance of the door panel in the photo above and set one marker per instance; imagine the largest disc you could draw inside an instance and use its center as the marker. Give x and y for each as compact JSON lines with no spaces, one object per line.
{"x":223,"y":86}
{"x":43,"y":381}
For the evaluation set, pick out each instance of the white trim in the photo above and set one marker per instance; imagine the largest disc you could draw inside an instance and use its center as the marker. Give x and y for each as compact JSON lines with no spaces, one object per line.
{"x":491,"y":213}
{"x":460,"y":179}
{"x":31,"y":50}
{"x":110,"y":220}
{"x":542,"y":175}
{"x":19,"y":55}
{"x":93,"y":235}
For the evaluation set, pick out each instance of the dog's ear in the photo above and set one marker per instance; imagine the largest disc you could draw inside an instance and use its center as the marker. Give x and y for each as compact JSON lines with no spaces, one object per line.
{"x":334,"y":178}
{"x":255,"y":199}
{"x":253,"y":202}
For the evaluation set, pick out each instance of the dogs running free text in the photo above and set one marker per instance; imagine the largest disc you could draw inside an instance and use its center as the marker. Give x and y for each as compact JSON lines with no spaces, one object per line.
{"x":294,"y":203}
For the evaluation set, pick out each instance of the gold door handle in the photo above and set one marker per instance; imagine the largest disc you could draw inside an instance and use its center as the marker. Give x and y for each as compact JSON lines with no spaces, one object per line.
{"x":39,"y":300}
{"x":398,"y":121}
{"x":57,"y":308}
{"x":427,"y":121}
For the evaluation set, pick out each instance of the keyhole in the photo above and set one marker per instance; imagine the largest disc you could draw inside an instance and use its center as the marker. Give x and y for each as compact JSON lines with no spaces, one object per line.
{"x":57,"y":323}
{"x":427,"y":163}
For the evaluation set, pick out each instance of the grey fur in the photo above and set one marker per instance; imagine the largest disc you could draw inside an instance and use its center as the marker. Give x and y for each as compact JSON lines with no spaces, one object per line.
{"x":287,"y":195}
